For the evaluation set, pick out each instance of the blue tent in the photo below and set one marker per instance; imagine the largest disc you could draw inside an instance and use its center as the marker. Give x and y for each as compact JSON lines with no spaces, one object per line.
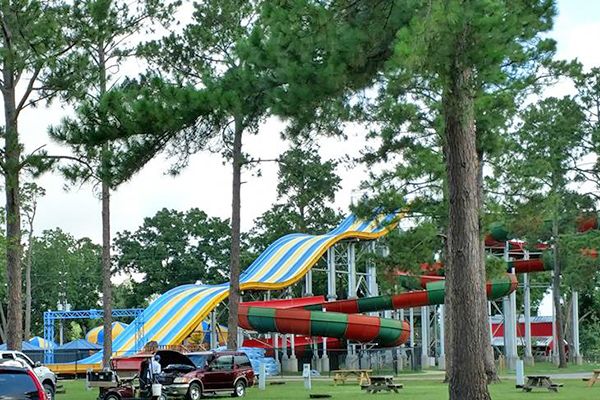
{"x":79,"y":344}
{"x":42,"y":343}
{"x":26,"y":347}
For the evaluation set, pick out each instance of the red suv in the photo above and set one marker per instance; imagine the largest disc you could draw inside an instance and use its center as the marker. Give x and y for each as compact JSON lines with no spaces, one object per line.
{"x":19,"y":383}
{"x":208,"y":373}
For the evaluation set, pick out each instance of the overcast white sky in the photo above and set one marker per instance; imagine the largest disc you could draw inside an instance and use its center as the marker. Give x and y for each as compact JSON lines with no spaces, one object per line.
{"x":206,"y":182}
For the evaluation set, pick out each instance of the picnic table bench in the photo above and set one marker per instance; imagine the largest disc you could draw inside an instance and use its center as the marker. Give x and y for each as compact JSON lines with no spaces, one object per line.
{"x":595,"y":377}
{"x":362,"y":375}
{"x":381,"y":383}
{"x":540,"y":381}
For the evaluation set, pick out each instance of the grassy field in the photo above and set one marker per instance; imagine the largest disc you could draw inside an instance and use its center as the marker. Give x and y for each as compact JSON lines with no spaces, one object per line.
{"x":549,"y":368}
{"x":413,"y":390}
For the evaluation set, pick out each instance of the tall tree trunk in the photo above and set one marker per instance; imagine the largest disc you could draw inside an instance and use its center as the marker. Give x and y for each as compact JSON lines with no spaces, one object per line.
{"x":490,"y":366}
{"x":465,"y":289}
{"x":106,"y":265}
{"x":234,"y":273}
{"x":3,"y":327}
{"x":30,"y":219}
{"x":12,"y":155}
{"x":106,"y":283}
{"x":448,"y":331}
{"x":560,"y":337}
{"x":27,"y":333}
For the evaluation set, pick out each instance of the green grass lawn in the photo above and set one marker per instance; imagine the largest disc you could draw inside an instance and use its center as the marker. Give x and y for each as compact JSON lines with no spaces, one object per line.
{"x":413,"y":390}
{"x":549,"y":368}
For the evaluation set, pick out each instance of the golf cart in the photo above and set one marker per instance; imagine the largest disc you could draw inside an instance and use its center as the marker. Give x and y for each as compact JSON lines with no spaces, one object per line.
{"x":130,"y":378}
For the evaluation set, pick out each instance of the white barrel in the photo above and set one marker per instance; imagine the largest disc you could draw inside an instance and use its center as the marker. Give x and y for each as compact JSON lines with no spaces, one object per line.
{"x":156,"y":389}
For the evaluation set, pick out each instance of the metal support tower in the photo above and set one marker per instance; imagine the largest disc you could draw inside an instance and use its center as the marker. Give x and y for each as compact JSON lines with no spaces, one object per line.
{"x":555,"y":355}
{"x":527,"y":304}
{"x":425,"y":336}
{"x":352,"y":271}
{"x":372,"y":287}
{"x":510,"y":321}
{"x":308,"y":282}
{"x":214,"y":340}
{"x":411,"y":322}
{"x":577,"y":357}
{"x":512,"y":298}
{"x":331,"y":275}
{"x":50,"y":317}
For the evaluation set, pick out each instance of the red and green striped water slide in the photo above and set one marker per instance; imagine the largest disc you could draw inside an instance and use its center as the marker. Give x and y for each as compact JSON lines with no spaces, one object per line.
{"x":344,"y":318}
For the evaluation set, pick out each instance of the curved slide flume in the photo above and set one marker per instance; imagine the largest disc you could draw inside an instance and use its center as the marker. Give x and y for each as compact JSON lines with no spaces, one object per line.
{"x":174,"y":315}
{"x":342,"y":319}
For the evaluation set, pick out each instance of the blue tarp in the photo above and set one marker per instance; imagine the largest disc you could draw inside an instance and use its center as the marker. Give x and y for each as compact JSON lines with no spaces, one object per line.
{"x":26,"y":347}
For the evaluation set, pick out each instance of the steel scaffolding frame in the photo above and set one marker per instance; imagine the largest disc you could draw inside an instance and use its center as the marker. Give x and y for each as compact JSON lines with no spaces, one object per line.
{"x":50,"y":317}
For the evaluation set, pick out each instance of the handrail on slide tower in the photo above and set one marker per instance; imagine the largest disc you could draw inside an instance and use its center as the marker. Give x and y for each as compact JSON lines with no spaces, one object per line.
{"x":174,"y":315}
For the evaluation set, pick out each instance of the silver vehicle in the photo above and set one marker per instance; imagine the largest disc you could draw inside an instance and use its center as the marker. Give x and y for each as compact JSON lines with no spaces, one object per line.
{"x":46,"y":377}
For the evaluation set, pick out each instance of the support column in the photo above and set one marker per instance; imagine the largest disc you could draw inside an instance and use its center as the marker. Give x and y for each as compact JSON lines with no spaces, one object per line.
{"x":315,"y":362}
{"x":240,"y":337}
{"x":325,"y":358}
{"x":275,"y":347}
{"x":527,"y":303}
{"x":400,"y":353}
{"x":324,"y":361}
{"x":293,"y":361}
{"x":61,"y":329}
{"x":214,"y":341}
{"x":331,"y":289}
{"x":49,"y":336}
{"x":372,"y":280}
{"x":577,"y":357}
{"x":308,"y":286}
{"x":352,"y":271}
{"x":411,"y":322}
{"x":351,"y":357}
{"x":425,"y":336}
{"x":555,"y":356}
{"x":442,"y":355}
{"x":514,"y":321}
{"x":372,"y":274}
{"x":510,"y":321}
{"x":509,"y":334}
{"x":284,"y":355}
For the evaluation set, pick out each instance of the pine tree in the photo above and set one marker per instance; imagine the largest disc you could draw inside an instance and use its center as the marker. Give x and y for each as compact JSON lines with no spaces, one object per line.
{"x":35,"y":47}
{"x":104,"y":28}
{"x":459,"y":48}
{"x":546,"y":150}
{"x":206,"y":55}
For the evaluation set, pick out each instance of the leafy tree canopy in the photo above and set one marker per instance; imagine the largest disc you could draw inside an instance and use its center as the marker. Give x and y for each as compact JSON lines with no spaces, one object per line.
{"x":64,"y":271}
{"x":173,"y":248}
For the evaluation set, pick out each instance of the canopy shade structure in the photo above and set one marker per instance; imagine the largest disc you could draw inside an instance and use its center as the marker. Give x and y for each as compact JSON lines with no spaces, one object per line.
{"x":42,"y":343}
{"x":96,"y":335}
{"x":80,"y":344}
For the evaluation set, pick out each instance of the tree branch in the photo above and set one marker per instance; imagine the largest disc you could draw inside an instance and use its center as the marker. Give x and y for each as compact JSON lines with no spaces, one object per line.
{"x":28,"y":91}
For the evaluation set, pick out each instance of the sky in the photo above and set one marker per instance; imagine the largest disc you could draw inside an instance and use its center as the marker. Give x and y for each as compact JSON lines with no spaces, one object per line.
{"x":206,"y":182}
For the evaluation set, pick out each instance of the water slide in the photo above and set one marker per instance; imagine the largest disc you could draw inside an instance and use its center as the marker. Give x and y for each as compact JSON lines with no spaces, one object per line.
{"x":343,"y":318}
{"x":173,"y":316}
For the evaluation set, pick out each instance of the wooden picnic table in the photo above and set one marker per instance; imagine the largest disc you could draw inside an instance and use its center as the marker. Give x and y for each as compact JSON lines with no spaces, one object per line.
{"x":595,"y":377}
{"x":540,"y":381}
{"x":362,"y":375}
{"x":381,"y":383}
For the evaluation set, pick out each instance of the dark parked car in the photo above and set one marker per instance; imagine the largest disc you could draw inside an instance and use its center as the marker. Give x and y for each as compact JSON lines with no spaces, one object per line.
{"x":188,"y":376}
{"x":20,"y":383}
{"x":208,"y":373}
